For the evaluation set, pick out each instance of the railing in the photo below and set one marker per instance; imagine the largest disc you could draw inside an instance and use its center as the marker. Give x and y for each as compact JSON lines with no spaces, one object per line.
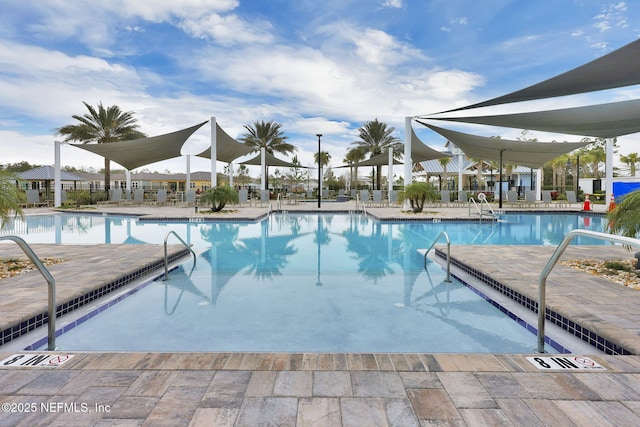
{"x":279,"y":202}
{"x":446,"y":236}
{"x":51,"y":335}
{"x":542,"y":280}
{"x":166,"y":258}
{"x":360,"y":205}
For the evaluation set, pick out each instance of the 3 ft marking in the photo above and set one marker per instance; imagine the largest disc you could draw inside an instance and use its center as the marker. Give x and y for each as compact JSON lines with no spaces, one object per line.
{"x":36,"y":360}
{"x":572,"y":363}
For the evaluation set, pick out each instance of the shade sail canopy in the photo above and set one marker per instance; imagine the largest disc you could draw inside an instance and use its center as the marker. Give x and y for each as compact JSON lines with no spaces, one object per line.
{"x":270,"y":160}
{"x":602,"y":120}
{"x":144,"y":151}
{"x":227,"y":148}
{"x":616,"y":69}
{"x":378,"y":160}
{"x":523,"y":153}
{"x":420,"y":152}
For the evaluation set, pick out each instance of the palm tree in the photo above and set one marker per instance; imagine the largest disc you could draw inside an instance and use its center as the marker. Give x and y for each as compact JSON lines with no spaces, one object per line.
{"x":354,"y":156}
{"x":325,"y":158}
{"x":103,"y":125}
{"x":632,"y":160}
{"x":624,"y":219}
{"x":268,"y":135}
{"x":596,"y":156}
{"x":9,"y":198}
{"x":444,"y":161}
{"x":375,"y":139}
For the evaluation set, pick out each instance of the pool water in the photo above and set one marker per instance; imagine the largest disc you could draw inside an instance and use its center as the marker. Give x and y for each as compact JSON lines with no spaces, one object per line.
{"x":306,"y":283}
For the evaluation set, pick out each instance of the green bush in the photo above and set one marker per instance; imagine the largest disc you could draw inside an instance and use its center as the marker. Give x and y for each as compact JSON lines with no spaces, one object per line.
{"x":218,"y":197}
{"x":418,"y":193}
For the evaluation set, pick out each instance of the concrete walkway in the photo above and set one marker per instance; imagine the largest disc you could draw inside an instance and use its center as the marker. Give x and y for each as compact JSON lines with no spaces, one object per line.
{"x":322,"y":389}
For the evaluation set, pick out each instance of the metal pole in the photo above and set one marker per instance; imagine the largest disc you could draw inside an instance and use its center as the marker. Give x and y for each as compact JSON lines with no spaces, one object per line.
{"x":319,"y":171}
{"x":500,"y":183}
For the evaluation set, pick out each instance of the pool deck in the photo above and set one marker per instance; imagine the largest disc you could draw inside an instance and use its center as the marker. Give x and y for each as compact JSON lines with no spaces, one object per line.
{"x":322,"y":389}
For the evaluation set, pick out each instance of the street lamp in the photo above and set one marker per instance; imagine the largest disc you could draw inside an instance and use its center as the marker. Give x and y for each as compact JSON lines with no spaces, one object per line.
{"x":576,"y":179}
{"x":319,"y":171}
{"x":500,"y":184}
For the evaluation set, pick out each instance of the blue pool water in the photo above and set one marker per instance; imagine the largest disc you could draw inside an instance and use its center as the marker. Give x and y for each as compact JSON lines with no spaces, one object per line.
{"x":305,"y":283}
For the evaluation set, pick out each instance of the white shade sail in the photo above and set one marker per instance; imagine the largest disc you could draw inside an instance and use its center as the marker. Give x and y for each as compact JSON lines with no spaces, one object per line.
{"x":523,"y":153}
{"x":143,"y":151}
{"x":271,"y":160}
{"x":227,"y":148}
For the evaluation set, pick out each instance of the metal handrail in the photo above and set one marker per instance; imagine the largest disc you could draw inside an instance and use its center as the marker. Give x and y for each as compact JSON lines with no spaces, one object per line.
{"x":542,"y":280}
{"x":51,"y":334}
{"x":166,"y":258}
{"x":472,"y":201}
{"x":446,"y":236}
{"x":359,"y":204}
{"x":279,"y":201}
{"x":483,"y":200}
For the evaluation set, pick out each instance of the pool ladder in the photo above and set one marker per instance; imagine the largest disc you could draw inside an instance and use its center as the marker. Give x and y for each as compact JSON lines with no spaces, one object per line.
{"x":542,"y":279}
{"x":51,"y":334}
{"x":166,"y":258}
{"x":446,"y":237}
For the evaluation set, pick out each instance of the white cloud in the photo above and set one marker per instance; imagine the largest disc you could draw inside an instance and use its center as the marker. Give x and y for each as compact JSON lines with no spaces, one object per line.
{"x":392,"y":4}
{"x":612,"y":15}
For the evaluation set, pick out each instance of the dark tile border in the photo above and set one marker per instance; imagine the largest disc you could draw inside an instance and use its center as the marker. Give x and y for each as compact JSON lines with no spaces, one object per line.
{"x":41,"y":319}
{"x":574,"y":328}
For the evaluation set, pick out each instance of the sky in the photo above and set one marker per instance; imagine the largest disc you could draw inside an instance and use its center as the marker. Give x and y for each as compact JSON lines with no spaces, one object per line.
{"x":317,"y":67}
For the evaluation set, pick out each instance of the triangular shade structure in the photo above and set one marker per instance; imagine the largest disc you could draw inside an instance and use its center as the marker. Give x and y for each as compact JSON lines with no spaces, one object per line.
{"x":523,"y":153}
{"x":227,"y":148}
{"x":602,"y":120}
{"x":144,"y":151}
{"x":380,"y":159}
{"x":616,"y":69}
{"x":420,"y":152}
{"x":270,"y":160}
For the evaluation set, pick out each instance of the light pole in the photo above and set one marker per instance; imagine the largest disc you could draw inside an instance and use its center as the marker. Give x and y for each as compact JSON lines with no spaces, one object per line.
{"x":319,"y":171}
{"x":500,"y":183}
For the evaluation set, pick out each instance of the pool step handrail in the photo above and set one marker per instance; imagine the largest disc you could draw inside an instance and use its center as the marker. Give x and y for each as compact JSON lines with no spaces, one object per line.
{"x":51,"y":333}
{"x":542,"y":279}
{"x":166,"y":258}
{"x":360,"y":205}
{"x":446,"y":237}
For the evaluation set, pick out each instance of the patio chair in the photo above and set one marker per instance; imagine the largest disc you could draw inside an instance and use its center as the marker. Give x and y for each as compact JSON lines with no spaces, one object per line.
{"x":571,"y":198}
{"x":243,"y":197}
{"x":445,"y":198}
{"x":530,"y":197}
{"x":376,"y":198}
{"x":546,"y":198}
{"x":190,"y":198}
{"x":115,"y":197}
{"x":161,"y":197}
{"x":33,"y":199}
{"x":393,"y":197}
{"x":463,"y":199}
{"x":309,"y":194}
{"x":138,"y":196}
{"x":364,"y":196}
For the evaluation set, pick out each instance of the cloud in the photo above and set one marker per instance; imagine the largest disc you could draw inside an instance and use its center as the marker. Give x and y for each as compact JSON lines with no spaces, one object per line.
{"x":397,"y":4}
{"x":612,"y":15}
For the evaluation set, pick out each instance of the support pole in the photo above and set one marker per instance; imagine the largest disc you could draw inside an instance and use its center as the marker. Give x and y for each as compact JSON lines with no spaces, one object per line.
{"x":390,"y":175}
{"x":214,"y":152}
{"x":609,"y":169}
{"x":408,"y":131}
{"x":57,"y":183}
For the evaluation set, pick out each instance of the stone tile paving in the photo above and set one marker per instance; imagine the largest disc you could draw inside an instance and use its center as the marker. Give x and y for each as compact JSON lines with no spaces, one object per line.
{"x":107,"y":389}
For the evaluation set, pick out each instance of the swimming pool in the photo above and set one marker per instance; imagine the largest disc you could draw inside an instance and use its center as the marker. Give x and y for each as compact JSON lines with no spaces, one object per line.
{"x":304,"y":283}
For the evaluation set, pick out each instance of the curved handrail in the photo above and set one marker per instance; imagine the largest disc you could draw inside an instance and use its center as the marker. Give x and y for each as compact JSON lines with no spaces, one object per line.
{"x":446,"y":236}
{"x":166,"y":258}
{"x":51,"y":335}
{"x":542,"y":279}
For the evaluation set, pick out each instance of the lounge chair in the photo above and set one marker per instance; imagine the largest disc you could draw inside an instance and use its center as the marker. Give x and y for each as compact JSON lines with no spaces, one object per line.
{"x":33,"y":199}
{"x":571,"y":198}
{"x":115,"y":197}
{"x":138,"y":196}
{"x":463,"y":199}
{"x":161,"y":197}
{"x":243,"y":197}
{"x":393,"y":197}
{"x":364,"y":196}
{"x":530,"y":197}
{"x":190,"y":198}
{"x":376,"y":198}
{"x":445,"y":198}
